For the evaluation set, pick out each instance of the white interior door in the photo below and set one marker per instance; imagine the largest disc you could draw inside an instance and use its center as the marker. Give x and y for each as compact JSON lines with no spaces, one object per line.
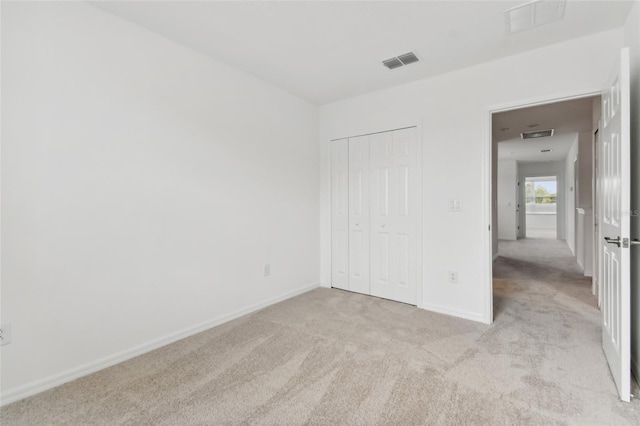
{"x":340,"y":214}
{"x":614,"y":206}
{"x":597,"y":193}
{"x":394,"y":205}
{"x":359,"y":214}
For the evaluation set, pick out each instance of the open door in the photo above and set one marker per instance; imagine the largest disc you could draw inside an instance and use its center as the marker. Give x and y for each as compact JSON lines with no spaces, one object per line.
{"x":614,"y":211}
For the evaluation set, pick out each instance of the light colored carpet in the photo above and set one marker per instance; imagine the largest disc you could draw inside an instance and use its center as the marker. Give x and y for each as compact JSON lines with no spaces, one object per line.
{"x":331,"y":357}
{"x":541,"y":233}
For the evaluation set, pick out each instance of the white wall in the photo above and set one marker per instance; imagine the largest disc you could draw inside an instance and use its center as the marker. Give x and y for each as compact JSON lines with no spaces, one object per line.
{"x":453,"y":110}
{"x":570,"y":194}
{"x":632,"y":40}
{"x":585,"y":170}
{"x":584,"y":217}
{"x":552,"y":168}
{"x":507,"y":199}
{"x":542,"y":221}
{"x":143,"y":188}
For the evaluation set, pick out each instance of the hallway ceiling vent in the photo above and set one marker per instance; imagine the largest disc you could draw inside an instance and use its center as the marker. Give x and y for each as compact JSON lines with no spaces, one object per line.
{"x":401,"y":60}
{"x":537,"y":134}
{"x":533,"y":14}
{"x":392,"y":63}
{"x":408,"y":58}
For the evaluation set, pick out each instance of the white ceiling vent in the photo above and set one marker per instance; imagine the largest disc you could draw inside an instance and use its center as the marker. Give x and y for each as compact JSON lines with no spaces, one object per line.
{"x":537,"y":134}
{"x":398,"y":61}
{"x":533,"y":14}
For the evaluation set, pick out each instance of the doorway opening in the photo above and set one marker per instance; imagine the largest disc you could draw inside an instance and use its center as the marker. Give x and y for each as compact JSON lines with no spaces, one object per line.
{"x":542,"y":187}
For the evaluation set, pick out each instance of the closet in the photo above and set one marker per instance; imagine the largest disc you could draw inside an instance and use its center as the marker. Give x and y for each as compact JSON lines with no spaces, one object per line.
{"x":375,"y":214}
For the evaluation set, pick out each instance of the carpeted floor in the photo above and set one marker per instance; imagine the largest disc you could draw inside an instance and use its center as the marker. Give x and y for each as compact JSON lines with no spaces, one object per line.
{"x":331,"y":357}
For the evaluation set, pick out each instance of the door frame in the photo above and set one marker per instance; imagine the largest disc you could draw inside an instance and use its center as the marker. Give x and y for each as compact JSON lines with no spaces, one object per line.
{"x":419,"y":229}
{"x":487,"y":178}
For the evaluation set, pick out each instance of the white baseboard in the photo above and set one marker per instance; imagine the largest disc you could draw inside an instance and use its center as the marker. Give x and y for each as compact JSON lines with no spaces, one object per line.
{"x":454,"y":312}
{"x":42,"y":385}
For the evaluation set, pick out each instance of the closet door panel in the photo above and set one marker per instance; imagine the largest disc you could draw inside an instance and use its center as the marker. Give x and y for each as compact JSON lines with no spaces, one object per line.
{"x":340,"y":214}
{"x":381,"y":146}
{"x":359,"y":214}
{"x":404,"y":214}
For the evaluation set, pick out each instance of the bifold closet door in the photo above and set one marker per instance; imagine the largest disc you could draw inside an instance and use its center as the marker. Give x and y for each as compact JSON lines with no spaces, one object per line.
{"x":340,"y":213}
{"x":374,"y":215}
{"x":359,"y":214}
{"x":394,"y":215}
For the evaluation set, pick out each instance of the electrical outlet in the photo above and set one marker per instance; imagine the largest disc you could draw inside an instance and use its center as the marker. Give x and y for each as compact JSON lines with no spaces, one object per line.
{"x":5,"y":334}
{"x":453,"y":277}
{"x":267,"y":269}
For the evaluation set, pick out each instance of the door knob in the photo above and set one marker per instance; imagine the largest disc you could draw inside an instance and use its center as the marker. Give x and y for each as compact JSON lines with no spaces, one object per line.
{"x":615,"y":241}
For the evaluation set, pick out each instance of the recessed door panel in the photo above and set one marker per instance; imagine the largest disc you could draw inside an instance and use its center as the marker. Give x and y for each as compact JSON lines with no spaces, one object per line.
{"x":404,"y":190}
{"x":403,"y":260}
{"x":382,"y":188}
{"x":357,"y":267}
{"x":383,"y":257}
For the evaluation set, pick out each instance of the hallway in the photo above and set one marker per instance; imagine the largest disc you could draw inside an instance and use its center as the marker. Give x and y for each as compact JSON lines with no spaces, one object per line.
{"x":541,"y":266}
{"x":537,"y":282}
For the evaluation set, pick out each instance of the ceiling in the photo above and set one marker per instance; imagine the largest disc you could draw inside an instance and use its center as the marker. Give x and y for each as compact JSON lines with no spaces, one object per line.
{"x":567,"y":118}
{"x":325,"y":51}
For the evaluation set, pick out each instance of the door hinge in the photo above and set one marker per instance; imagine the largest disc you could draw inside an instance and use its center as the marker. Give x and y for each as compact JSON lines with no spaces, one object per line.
{"x":489,"y":227}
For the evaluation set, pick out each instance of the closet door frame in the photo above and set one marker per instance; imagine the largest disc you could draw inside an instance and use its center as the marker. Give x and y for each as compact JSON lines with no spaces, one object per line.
{"x":419,"y":206}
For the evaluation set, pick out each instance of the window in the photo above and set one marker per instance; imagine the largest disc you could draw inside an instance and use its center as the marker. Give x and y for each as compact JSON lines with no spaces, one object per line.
{"x":541,"y":195}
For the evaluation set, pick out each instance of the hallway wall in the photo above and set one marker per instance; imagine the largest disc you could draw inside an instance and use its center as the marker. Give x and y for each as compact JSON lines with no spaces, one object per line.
{"x":507,"y":199}
{"x":571,"y":166}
